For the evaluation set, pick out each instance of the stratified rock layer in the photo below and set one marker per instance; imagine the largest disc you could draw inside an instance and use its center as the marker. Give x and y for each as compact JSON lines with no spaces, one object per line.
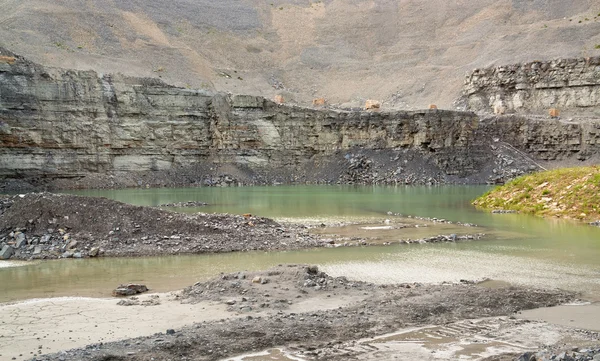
{"x":57,"y":124}
{"x":563,"y":84}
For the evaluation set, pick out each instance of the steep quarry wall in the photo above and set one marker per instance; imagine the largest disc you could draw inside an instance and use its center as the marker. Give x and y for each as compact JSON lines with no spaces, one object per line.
{"x":62,"y":124}
{"x":536,"y":87}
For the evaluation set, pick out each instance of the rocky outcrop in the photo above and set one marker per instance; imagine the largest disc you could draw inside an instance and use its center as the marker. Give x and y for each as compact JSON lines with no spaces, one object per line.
{"x":535,"y":87}
{"x":62,"y":124}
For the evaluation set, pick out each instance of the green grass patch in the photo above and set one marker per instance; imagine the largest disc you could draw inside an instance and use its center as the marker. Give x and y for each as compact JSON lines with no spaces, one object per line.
{"x":566,"y":193}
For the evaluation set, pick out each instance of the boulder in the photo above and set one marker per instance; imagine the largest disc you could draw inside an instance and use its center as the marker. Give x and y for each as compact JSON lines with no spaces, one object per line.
{"x":7,"y":59}
{"x":499,"y":109}
{"x":318,"y":102}
{"x":6,"y":252}
{"x":72,"y":245}
{"x":20,"y":240}
{"x":129,"y":289}
{"x":372,"y":104}
{"x":94,"y":252}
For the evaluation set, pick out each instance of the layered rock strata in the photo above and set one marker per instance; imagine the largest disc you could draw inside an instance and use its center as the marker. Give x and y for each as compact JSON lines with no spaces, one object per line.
{"x":63,"y":124}
{"x":563,"y":84}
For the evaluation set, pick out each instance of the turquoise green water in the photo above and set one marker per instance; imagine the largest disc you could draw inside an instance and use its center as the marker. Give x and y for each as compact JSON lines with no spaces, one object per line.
{"x":520,"y":249}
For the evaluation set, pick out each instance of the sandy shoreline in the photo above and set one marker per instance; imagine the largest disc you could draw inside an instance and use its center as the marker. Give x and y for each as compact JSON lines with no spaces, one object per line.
{"x":299,"y":306}
{"x":56,"y":324}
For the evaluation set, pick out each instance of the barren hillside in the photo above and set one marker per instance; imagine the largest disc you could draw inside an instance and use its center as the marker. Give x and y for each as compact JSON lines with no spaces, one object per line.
{"x":407,"y":53}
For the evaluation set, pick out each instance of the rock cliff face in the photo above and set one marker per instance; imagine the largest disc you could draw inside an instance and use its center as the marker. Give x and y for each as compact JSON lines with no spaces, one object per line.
{"x":535,"y":87}
{"x":62,"y":124}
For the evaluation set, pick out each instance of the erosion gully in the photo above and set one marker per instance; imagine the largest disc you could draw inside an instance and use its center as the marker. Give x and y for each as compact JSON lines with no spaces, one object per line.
{"x":517,"y":249}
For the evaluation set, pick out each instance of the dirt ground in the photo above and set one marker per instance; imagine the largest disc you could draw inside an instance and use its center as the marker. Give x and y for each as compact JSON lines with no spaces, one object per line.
{"x":317,"y":316}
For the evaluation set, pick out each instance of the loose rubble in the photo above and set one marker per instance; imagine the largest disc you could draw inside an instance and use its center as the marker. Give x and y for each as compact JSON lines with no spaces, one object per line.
{"x":591,"y":353}
{"x":185,"y":204}
{"x":46,"y":226}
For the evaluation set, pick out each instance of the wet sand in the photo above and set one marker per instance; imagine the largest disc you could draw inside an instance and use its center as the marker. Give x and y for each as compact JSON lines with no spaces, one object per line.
{"x":585,"y":316}
{"x":56,"y":324}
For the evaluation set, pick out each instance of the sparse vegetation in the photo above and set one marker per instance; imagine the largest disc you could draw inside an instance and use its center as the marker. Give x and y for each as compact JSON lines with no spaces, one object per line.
{"x":566,"y":193}
{"x":62,"y":46}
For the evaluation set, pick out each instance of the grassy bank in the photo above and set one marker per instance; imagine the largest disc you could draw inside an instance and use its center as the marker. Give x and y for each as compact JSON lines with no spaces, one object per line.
{"x":566,"y":193}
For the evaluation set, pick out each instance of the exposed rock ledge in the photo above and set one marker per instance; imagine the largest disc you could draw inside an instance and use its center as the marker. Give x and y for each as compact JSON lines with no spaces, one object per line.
{"x":79,"y":129}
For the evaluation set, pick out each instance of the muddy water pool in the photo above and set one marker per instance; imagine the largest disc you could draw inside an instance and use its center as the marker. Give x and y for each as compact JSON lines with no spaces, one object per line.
{"x":518,"y":249}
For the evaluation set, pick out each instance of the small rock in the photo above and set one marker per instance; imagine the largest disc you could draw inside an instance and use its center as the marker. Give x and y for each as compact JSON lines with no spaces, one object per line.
{"x":129,"y":289}
{"x":20,"y":240}
{"x":230,"y":302}
{"x":312,"y":269}
{"x":170,"y":331}
{"x":257,"y":279}
{"x":94,"y":252}
{"x":527,"y":356}
{"x":6,"y":252}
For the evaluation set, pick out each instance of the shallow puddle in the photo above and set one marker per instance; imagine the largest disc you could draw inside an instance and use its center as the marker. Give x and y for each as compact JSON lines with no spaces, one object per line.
{"x":268,"y":355}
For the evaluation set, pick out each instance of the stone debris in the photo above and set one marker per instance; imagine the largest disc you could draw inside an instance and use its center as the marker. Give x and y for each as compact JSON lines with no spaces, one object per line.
{"x":445,"y":238}
{"x":68,"y":226}
{"x":185,"y":204}
{"x":555,"y":354}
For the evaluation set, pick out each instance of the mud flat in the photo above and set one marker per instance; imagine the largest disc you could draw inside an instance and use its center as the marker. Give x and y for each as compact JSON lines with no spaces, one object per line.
{"x":304,"y":311}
